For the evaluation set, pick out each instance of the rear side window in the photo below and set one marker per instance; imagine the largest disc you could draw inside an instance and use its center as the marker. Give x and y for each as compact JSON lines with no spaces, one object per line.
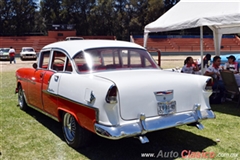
{"x":60,"y":62}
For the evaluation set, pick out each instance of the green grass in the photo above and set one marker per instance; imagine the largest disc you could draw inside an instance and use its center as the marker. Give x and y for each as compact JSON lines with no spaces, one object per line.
{"x":31,"y":135}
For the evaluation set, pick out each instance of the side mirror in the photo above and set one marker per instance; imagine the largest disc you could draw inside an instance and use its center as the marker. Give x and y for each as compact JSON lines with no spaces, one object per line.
{"x":34,"y":65}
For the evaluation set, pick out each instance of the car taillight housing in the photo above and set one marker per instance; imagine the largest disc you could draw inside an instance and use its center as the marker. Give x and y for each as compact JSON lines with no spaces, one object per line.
{"x":111,"y":96}
{"x":209,"y":84}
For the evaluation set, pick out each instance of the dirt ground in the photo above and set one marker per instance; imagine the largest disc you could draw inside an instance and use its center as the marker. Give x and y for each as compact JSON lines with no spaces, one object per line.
{"x":166,"y":62}
{"x":5,"y":66}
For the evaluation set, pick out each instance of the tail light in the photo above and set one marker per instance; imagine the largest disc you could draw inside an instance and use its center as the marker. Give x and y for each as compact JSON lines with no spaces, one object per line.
{"x":111,"y":96}
{"x":209,"y":84}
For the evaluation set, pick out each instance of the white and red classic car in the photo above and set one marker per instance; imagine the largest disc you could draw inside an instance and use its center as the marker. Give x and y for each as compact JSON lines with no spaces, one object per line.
{"x":111,"y":88}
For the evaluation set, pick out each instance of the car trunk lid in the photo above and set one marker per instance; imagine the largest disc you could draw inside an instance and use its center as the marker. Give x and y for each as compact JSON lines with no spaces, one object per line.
{"x":144,"y":91}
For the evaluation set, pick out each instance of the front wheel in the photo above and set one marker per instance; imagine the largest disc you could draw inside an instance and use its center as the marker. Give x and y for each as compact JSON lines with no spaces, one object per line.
{"x":74,"y":134}
{"x":21,"y":99}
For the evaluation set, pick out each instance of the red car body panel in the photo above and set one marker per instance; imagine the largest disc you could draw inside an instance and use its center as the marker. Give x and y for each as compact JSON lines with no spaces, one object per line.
{"x":35,"y":84}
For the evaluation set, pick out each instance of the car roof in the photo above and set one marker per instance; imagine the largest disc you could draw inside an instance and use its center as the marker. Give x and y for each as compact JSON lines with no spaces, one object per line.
{"x":80,"y":38}
{"x":73,"y":47}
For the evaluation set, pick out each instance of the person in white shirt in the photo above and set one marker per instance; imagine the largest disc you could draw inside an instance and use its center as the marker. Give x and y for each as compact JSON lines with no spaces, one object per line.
{"x":12,"y":55}
{"x":214,"y":71}
{"x":189,"y":66}
{"x":231,"y":65}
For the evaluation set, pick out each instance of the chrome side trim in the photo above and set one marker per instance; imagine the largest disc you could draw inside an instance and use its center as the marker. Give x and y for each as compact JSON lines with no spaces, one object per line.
{"x":78,"y":103}
{"x":45,"y":113}
{"x":135,"y":128}
{"x":39,"y":110}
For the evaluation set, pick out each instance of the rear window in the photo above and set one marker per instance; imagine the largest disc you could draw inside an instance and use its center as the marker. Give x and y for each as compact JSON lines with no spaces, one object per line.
{"x":113,"y":59}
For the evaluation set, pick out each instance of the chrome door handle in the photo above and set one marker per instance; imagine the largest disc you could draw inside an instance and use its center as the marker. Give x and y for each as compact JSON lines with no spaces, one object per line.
{"x":56,"y":78}
{"x":41,"y":74}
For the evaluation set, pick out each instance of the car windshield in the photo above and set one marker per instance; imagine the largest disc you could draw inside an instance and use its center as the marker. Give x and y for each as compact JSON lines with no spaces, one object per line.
{"x":28,"y":50}
{"x":5,"y":49}
{"x":113,"y":58}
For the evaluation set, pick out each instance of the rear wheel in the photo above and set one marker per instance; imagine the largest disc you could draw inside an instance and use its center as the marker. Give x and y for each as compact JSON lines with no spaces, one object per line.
{"x":21,"y":99}
{"x":74,"y":134}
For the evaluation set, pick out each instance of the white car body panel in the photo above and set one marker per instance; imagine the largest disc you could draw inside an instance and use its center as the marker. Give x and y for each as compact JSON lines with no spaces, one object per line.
{"x":136,"y":94}
{"x":85,"y":85}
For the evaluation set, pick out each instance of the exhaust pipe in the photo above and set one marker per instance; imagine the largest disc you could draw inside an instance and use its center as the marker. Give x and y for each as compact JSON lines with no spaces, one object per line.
{"x":199,"y":126}
{"x":143,"y":139}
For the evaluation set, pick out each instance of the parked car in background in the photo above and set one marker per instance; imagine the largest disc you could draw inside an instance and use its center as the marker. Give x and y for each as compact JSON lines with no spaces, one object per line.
{"x":73,"y":38}
{"x":28,"y":53}
{"x":4,"y":54}
{"x":110,"y":88}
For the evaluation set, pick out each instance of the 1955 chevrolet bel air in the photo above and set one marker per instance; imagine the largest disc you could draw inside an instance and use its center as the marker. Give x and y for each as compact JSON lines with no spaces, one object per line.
{"x":111,"y":88}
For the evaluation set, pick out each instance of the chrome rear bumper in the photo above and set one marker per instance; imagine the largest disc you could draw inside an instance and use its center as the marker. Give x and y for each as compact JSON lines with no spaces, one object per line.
{"x":144,"y":125}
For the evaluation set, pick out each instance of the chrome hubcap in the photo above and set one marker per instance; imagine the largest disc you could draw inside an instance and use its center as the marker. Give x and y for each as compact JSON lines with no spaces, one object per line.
{"x":69,"y":126}
{"x":20,"y":97}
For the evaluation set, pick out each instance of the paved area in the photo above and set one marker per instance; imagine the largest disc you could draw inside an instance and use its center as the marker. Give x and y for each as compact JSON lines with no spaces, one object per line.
{"x":5,"y":66}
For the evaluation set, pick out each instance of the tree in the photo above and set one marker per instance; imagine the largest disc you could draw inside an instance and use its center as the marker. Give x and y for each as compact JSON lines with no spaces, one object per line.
{"x":5,"y":11}
{"x":17,"y":17}
{"x":50,"y":11}
{"x":23,"y":15}
{"x":102,"y":18}
{"x":90,"y":17}
{"x":83,"y":27}
{"x":169,"y":4}
{"x":40,"y":24}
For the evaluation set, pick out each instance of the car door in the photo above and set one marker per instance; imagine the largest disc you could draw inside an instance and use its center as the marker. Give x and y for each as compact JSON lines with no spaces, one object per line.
{"x":59,"y":66}
{"x":35,"y":85}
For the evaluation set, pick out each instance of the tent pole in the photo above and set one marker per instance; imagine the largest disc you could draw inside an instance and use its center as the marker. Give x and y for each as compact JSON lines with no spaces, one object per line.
{"x":145,"y":38}
{"x":201,"y":48}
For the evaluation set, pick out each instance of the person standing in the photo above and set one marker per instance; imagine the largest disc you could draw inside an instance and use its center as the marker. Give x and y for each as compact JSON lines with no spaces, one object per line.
{"x":12,"y":55}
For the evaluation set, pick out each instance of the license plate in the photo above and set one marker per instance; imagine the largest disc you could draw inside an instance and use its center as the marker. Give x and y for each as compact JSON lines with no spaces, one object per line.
{"x":166,"y":108}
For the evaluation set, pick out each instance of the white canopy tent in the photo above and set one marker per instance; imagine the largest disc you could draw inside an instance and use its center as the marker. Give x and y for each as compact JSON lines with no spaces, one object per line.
{"x":221,"y":16}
